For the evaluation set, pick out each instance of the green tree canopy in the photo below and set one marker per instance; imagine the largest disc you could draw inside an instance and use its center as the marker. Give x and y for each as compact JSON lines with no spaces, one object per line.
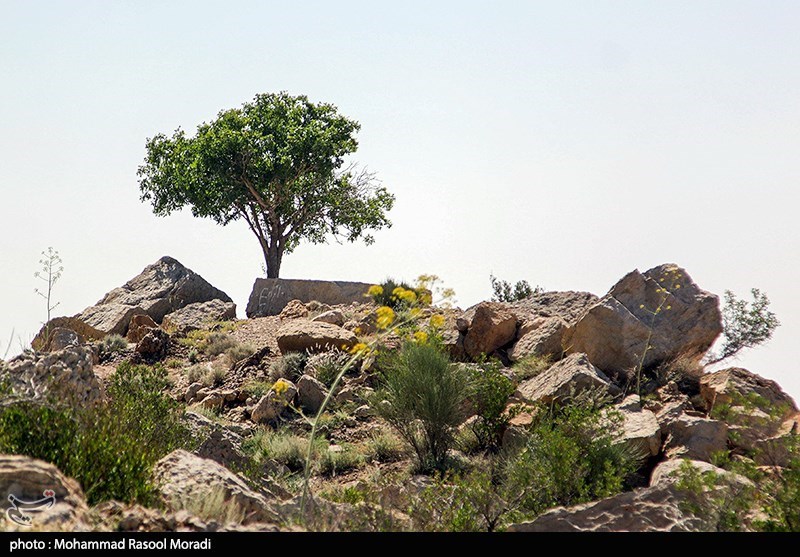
{"x":278,"y":163}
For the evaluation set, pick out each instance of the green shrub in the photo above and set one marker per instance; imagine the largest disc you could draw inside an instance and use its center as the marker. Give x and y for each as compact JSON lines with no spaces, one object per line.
{"x":173,"y":363}
{"x":193,"y":356}
{"x":421,"y":397}
{"x":530,"y":366}
{"x":238,"y":353}
{"x":284,"y":447}
{"x":489,"y":391}
{"x":289,"y":366}
{"x":502,"y":291}
{"x":112,"y":344}
{"x":570,"y":457}
{"x":257,"y":388}
{"x":195,"y":373}
{"x":214,"y":376}
{"x":216,"y":506}
{"x":327,"y":366}
{"x":109,"y":449}
{"x":219,"y":342}
{"x":384,"y":447}
{"x":744,"y":325}
{"x":385,"y":295}
{"x":332,"y":463}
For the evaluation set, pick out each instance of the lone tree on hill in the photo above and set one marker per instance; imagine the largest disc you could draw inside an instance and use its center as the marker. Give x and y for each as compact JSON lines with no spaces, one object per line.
{"x":277,"y":162}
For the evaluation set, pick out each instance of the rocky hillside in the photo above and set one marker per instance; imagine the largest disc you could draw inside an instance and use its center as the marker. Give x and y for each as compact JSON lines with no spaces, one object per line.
{"x":156,"y":409}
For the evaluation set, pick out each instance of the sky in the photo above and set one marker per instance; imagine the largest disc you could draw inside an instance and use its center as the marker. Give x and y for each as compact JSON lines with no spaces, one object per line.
{"x":564,"y":143}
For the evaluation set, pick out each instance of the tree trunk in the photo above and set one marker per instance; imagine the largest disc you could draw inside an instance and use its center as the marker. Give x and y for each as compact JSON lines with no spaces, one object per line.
{"x":272,"y":257}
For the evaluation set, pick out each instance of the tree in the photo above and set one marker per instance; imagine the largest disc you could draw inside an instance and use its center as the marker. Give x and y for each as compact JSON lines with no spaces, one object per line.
{"x":744,"y":325}
{"x":278,"y":163}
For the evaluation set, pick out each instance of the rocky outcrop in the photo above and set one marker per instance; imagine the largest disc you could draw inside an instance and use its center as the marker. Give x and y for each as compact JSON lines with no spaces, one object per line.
{"x":217,"y":443}
{"x":757,"y":411}
{"x":654,"y":509}
{"x":671,"y":471}
{"x":491,"y":325}
{"x":638,"y":428}
{"x":139,"y":326}
{"x":199,"y":315}
{"x":300,"y":336}
{"x":539,"y":337}
{"x":26,"y":480}
{"x":334,"y":317}
{"x":270,"y":296}
{"x":154,"y":345}
{"x":163,"y":287}
{"x":565,"y":379}
{"x":616,"y":332}
{"x":694,"y":437}
{"x":310,"y":393}
{"x":43,"y":340}
{"x":63,"y":377}
{"x":272,"y":404}
{"x":181,"y":477}
{"x":295,"y":309}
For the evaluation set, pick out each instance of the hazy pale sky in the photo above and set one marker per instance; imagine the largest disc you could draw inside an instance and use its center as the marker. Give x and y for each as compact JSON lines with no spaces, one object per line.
{"x":565,"y":143}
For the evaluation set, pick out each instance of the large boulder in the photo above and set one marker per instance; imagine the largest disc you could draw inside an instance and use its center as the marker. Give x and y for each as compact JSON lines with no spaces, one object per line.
{"x":695,"y":437}
{"x":567,"y":378}
{"x":139,"y":326}
{"x":672,"y":471}
{"x":272,"y":404}
{"x":199,"y":315}
{"x":756,"y":410}
{"x":539,"y":337}
{"x":313,"y":336}
{"x":639,"y":428}
{"x":154,"y":345}
{"x":492,"y":326}
{"x":39,"y":495}
{"x":217,"y":443}
{"x":311,"y":393}
{"x":182,"y":477}
{"x":43,"y":341}
{"x":654,"y":509}
{"x":620,"y":332}
{"x":163,"y":287}
{"x":270,"y":296}
{"x":63,"y":377}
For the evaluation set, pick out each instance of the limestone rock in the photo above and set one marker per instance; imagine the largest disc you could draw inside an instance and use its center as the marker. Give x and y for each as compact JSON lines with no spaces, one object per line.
{"x":564,"y":379}
{"x":540,"y":337}
{"x":311,"y":393}
{"x":61,"y":338}
{"x":154,"y":345}
{"x":615,"y":332}
{"x":694,"y":437}
{"x":670,"y":471}
{"x":64,"y":377}
{"x":274,"y":402}
{"x":270,"y":296}
{"x":639,"y":428}
{"x":294,"y":309}
{"x":492,"y":326}
{"x":654,"y":509}
{"x":199,"y":315}
{"x":299,"y":336}
{"x":26,"y":480}
{"x":334,"y":317}
{"x":84,"y":331}
{"x":567,"y":305}
{"x":139,"y":326}
{"x":218,"y":443}
{"x":181,"y":476}
{"x":161,"y":288}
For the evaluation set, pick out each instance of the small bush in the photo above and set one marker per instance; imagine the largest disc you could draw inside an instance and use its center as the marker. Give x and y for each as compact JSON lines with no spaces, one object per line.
{"x":384,"y":447}
{"x":421,"y":397}
{"x":195,"y":373}
{"x":387,"y":294}
{"x":530,"y":366}
{"x":109,"y":449}
{"x":214,"y":376}
{"x":193,"y":356}
{"x":111,"y":344}
{"x":257,"y":388}
{"x":332,"y":463}
{"x":214,"y":506}
{"x":174,"y":363}
{"x":502,"y":291}
{"x":327,"y":366}
{"x":744,"y":325}
{"x":570,"y":457}
{"x":489,"y":391}
{"x":219,"y":342}
{"x":238,"y":353}
{"x":289,"y":366}
{"x":284,"y":447}
{"x":195,"y":340}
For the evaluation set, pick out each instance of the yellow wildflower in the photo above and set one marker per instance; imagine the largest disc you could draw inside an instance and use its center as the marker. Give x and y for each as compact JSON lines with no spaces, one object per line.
{"x":280,"y":386}
{"x":404,"y":295}
{"x":375,"y":290}
{"x":385,"y":317}
{"x":420,"y":337}
{"x":437,"y":321}
{"x":359,"y":348}
{"x":415,"y":312}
